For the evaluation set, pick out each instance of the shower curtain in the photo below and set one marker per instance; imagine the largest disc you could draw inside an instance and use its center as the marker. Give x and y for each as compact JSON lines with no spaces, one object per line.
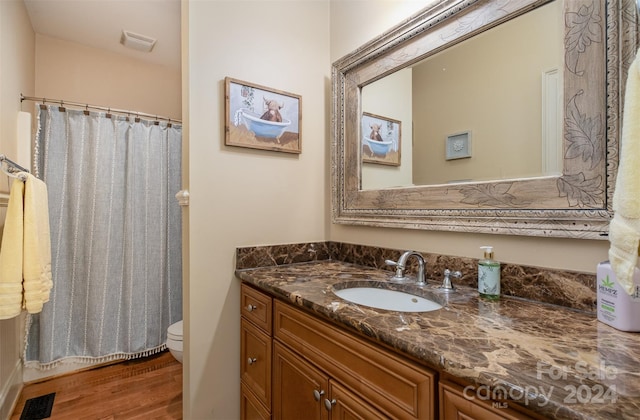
{"x":115,"y":237}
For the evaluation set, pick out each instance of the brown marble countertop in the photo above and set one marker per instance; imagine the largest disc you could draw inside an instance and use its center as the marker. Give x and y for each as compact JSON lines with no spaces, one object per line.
{"x":554,"y":361}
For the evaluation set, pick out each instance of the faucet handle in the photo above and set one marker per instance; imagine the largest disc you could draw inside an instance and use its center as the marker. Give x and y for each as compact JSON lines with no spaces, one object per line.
{"x":399,"y":277}
{"x":447,"y":286}
{"x":391,"y":263}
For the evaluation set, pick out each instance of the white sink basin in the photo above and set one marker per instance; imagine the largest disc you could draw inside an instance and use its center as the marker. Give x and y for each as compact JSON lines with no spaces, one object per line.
{"x":391,"y":300}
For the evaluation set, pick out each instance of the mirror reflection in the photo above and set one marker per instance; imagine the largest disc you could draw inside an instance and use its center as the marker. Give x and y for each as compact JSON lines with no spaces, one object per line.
{"x":575,"y":202}
{"x":488,"y":108}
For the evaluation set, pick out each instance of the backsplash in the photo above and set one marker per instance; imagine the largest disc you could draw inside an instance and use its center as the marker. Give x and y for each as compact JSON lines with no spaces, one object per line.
{"x":570,"y":289}
{"x":270,"y":255}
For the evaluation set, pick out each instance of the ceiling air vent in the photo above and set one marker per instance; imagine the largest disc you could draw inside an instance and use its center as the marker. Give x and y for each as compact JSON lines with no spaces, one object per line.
{"x":137,"y":42}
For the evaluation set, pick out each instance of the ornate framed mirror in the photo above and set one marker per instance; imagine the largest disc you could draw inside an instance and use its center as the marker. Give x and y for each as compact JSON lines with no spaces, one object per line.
{"x":544,"y":153}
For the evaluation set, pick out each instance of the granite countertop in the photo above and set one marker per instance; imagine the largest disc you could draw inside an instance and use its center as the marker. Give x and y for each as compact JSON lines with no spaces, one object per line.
{"x":555,"y":361}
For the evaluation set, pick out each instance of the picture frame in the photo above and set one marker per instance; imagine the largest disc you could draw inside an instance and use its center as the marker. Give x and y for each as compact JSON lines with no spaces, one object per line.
{"x":458,"y":146}
{"x":259,"y":117}
{"x":381,"y":139}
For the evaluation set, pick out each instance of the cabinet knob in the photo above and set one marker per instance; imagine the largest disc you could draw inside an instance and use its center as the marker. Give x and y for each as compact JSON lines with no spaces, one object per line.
{"x":329,"y":404}
{"x":251,"y":360}
{"x":318,"y":394}
{"x":251,"y":307}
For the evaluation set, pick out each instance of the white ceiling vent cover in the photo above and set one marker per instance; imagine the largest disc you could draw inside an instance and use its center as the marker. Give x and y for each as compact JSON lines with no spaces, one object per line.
{"x":137,"y":41}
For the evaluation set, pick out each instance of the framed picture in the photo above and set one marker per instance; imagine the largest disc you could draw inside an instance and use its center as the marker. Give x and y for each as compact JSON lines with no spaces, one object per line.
{"x":381,"y":137}
{"x":259,"y":117}
{"x":458,"y":146}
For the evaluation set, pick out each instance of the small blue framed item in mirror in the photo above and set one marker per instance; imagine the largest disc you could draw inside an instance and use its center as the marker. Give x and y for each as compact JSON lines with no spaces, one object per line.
{"x":458,"y":146}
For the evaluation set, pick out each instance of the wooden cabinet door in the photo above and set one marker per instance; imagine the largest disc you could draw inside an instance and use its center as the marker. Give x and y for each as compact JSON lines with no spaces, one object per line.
{"x":455,"y":406}
{"x":345,"y":405}
{"x":299,"y":389}
{"x":250,"y":407}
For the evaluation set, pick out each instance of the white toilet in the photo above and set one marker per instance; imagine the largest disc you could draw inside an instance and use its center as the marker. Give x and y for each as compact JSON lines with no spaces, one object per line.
{"x":174,"y":340}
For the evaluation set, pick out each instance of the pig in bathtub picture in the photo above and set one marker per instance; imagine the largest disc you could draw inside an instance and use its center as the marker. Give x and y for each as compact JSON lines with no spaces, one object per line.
{"x":380,"y":139}
{"x":259,"y":117}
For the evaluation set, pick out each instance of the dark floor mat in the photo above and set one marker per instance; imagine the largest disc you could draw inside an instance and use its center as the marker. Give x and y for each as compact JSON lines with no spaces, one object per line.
{"x":38,"y":408}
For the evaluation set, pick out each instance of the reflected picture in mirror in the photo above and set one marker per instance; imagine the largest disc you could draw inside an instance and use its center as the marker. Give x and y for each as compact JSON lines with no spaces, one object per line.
{"x":458,"y":146}
{"x":381,"y":139}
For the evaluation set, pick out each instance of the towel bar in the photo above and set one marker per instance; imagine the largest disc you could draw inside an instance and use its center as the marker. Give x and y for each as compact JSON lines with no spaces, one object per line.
{"x":12,"y":169}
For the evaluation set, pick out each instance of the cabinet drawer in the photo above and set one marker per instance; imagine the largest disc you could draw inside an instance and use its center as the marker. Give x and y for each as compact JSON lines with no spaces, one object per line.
{"x":250,"y":407}
{"x":396,"y":387}
{"x":455,"y":405}
{"x":256,"y":307}
{"x":255,"y":361}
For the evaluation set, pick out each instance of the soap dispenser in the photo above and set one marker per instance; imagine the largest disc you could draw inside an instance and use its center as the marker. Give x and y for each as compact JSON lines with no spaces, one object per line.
{"x":488,"y":275}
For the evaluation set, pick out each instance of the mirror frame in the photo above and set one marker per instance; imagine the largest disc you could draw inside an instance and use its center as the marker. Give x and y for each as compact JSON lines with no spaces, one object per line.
{"x":576,"y":204}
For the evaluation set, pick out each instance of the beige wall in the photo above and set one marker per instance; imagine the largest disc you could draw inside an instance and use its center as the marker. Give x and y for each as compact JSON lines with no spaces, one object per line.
{"x":17,"y":75}
{"x":73,"y":72}
{"x":571,"y":254}
{"x":17,"y":48}
{"x":239,"y":196}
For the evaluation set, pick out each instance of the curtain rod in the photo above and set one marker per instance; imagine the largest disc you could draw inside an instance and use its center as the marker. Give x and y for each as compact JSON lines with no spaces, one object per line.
{"x":96,"y":107}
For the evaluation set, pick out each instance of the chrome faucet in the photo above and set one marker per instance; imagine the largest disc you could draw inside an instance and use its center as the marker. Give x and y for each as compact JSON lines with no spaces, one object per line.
{"x":401,"y":265}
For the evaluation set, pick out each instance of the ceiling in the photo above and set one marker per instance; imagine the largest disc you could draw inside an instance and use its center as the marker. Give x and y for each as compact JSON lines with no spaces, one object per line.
{"x":99,"y":24}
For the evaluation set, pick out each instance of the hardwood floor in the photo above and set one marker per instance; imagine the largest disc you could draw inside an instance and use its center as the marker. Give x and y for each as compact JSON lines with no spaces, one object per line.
{"x":148,"y":388}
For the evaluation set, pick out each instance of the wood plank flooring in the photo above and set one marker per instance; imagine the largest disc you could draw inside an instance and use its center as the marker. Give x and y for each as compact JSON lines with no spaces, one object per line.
{"x":146,"y":388}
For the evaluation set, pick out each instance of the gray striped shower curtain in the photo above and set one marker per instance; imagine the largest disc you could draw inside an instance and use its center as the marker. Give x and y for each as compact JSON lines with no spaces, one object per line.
{"x":115,"y":237}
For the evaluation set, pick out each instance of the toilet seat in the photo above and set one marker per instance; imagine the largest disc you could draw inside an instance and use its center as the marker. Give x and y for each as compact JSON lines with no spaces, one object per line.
{"x":174,"y":340}
{"x":174,"y":332}
{"x":174,"y":345}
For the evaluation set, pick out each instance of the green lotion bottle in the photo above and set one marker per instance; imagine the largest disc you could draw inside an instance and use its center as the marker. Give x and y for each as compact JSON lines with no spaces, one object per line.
{"x":488,"y":275}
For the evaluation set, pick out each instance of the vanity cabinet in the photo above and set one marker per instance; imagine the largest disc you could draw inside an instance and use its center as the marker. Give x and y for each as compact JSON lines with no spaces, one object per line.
{"x":295,"y":365}
{"x":255,"y":353}
{"x":353,"y":376}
